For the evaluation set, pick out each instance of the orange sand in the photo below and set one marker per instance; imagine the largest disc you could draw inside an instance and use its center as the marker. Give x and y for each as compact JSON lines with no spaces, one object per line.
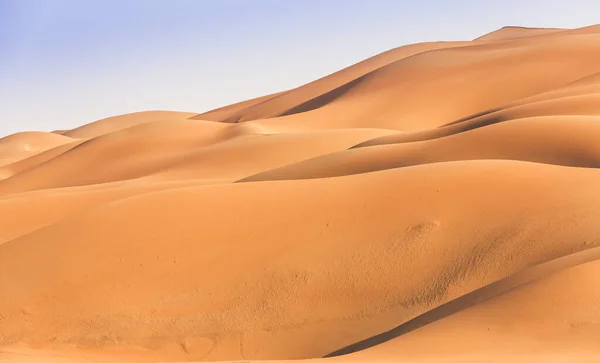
{"x":439,"y":202}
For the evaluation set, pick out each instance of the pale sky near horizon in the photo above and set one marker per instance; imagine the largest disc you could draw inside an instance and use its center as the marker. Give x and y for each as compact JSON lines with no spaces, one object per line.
{"x":64,"y":63}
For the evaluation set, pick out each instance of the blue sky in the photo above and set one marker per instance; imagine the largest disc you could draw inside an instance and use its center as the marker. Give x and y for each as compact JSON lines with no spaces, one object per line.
{"x":64,"y":63}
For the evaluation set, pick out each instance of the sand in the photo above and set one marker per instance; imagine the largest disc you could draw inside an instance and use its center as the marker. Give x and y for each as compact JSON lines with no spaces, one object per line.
{"x":438,"y":202}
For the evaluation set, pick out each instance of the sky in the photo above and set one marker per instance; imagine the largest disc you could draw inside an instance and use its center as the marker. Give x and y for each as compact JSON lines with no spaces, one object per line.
{"x":64,"y":63}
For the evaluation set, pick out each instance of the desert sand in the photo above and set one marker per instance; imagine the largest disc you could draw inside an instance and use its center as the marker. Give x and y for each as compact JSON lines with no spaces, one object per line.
{"x":439,"y":202}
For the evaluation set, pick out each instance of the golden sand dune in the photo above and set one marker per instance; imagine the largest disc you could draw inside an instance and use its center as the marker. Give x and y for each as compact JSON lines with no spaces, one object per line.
{"x":23,"y":145}
{"x":438,"y":202}
{"x":513,"y":32}
{"x":113,"y":124}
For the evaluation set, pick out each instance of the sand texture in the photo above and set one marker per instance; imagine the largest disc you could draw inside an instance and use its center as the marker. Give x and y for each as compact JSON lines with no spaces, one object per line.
{"x":439,"y":202}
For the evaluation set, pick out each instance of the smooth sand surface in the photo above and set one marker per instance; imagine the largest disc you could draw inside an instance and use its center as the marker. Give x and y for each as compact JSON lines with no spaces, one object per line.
{"x":439,"y":202}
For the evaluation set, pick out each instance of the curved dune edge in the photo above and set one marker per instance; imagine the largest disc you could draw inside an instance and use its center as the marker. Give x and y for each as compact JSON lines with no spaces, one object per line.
{"x":439,"y":201}
{"x":476,"y":297}
{"x":360,"y":351}
{"x":17,"y":147}
{"x":556,"y":140}
{"x":512,"y":32}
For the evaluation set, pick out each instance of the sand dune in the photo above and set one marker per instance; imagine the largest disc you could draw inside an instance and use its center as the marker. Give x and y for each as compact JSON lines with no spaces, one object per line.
{"x":20,"y":146}
{"x":559,"y":140}
{"x":117,"y":123}
{"x":438,"y":202}
{"x":505,"y":317}
{"x":513,"y":32}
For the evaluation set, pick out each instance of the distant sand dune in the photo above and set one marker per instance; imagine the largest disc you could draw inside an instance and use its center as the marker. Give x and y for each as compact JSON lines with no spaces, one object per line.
{"x":117,"y":123}
{"x":20,"y":146}
{"x":513,"y":32}
{"x":438,"y":202}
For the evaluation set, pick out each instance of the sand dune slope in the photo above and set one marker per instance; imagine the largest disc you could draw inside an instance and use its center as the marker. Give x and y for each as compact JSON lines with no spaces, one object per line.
{"x":438,"y":202}
{"x":559,"y":140}
{"x":20,"y":146}
{"x":282,"y":280}
{"x":429,"y":86}
{"x":319,"y":92}
{"x":502,"y":326}
{"x":513,"y":32}
{"x":116,"y":123}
